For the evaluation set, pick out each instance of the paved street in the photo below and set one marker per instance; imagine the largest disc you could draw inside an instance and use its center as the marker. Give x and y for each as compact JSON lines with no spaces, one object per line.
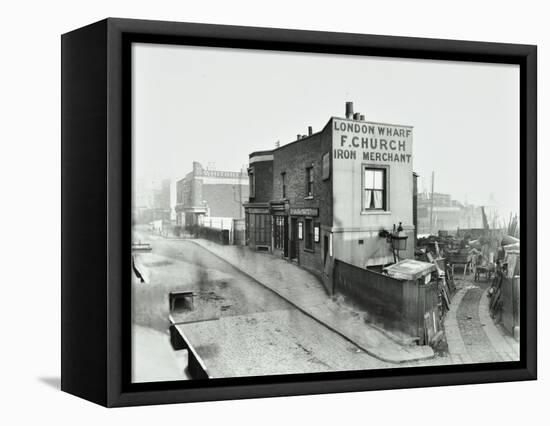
{"x":238,"y":326}
{"x":471,"y":334}
{"x":305,"y":292}
{"x":243,"y":327}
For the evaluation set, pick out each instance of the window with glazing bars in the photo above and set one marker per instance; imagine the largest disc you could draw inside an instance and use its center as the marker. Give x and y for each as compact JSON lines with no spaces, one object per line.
{"x":374,"y":189}
{"x":309,"y":181}
{"x":278,"y":232}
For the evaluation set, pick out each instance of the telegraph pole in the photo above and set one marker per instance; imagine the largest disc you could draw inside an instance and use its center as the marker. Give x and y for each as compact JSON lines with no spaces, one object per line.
{"x":432,"y":205}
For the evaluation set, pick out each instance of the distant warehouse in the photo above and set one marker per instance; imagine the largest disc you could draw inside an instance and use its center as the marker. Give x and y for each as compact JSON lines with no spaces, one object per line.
{"x":331,"y":194}
{"x":204,"y":194}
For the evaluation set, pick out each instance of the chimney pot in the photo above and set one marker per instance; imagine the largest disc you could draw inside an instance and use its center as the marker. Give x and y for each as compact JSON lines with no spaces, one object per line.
{"x":349,"y":110}
{"x":362,"y":117}
{"x":356,"y":116}
{"x":310,"y":130}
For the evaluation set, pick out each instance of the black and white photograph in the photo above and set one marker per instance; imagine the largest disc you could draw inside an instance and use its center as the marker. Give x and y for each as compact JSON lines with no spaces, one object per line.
{"x":299,"y":212}
{"x":275,"y":213}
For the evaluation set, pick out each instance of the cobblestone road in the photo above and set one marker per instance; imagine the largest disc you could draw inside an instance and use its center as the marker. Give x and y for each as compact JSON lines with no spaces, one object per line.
{"x":238,"y":327}
{"x":287,"y":340}
{"x":471,"y":334}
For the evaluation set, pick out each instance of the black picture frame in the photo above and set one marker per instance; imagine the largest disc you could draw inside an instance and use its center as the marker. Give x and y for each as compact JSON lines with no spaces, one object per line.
{"x":96,"y":180}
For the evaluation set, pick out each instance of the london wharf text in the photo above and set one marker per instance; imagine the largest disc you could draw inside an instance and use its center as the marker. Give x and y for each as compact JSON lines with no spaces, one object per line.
{"x":374,"y":148}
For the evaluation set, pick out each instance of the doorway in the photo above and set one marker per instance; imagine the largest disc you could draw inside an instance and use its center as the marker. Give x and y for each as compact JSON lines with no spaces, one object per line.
{"x":285,"y":237}
{"x":293,"y":238}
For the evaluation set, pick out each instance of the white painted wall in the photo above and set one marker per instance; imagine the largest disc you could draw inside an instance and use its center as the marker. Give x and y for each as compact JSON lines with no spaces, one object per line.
{"x":351,"y":222}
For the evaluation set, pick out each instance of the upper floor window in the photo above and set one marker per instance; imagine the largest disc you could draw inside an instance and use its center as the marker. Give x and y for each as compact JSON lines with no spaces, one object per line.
{"x":251,"y":182}
{"x":283,"y":182}
{"x":309,"y":181}
{"x":374,"y":189}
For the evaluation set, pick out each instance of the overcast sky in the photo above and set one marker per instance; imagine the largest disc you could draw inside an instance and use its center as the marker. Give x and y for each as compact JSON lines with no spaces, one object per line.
{"x":216,"y":105}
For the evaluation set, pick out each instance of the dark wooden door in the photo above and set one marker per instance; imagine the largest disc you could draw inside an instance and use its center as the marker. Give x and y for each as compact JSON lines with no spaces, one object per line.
{"x":293,"y":237}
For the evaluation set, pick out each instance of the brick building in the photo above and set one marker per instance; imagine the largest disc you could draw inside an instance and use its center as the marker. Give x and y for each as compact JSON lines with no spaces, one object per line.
{"x":210,"y":193}
{"x":328,"y":195}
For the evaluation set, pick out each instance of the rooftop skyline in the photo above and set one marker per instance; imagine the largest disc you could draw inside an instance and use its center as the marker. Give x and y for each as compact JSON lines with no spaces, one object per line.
{"x":216,"y":105}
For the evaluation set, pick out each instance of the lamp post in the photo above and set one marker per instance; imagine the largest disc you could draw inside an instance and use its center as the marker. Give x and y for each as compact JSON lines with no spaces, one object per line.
{"x":397,"y":239}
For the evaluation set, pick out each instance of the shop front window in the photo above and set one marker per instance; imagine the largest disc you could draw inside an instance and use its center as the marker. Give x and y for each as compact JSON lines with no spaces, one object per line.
{"x":262,"y":229}
{"x":278,"y":233}
{"x":316,"y":233}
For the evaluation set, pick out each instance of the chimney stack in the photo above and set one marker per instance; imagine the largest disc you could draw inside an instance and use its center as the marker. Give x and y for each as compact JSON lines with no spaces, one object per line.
{"x":349,"y":110}
{"x":356,"y":116}
{"x":310,"y":130}
{"x":362,"y":117}
{"x":298,"y":136}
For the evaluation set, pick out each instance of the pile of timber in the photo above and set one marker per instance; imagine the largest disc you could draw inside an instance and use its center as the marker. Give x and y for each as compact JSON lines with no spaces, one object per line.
{"x":443,"y":242}
{"x":447,"y":287}
{"x":445,"y":281}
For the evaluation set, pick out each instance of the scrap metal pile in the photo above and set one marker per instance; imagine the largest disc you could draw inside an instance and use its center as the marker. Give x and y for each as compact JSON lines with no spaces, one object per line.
{"x":504,"y":293}
{"x":436,"y":250}
{"x":478,"y":251}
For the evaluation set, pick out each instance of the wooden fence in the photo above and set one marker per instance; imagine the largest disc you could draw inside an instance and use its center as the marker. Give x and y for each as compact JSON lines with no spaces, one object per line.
{"x":216,"y":235}
{"x":409,"y":307}
{"x":239,"y":237}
